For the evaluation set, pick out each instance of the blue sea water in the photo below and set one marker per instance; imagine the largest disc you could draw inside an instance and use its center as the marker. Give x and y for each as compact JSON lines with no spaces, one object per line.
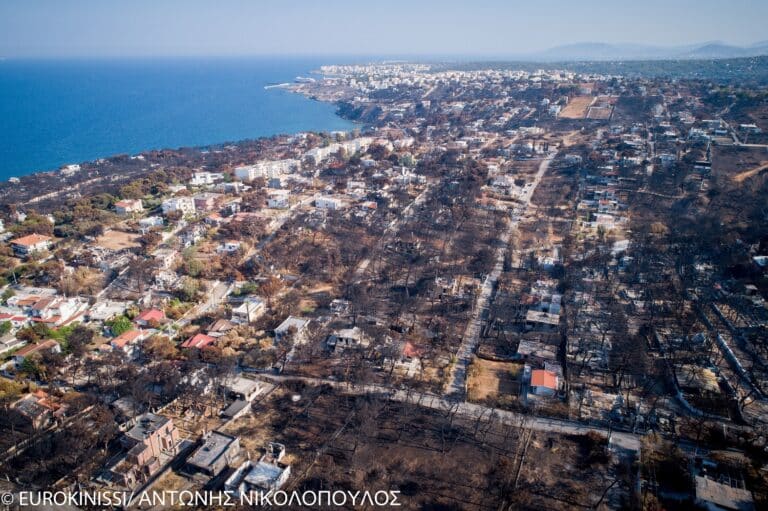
{"x":54,"y":112}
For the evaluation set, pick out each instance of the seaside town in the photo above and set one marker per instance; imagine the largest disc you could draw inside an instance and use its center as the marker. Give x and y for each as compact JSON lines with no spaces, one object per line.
{"x":505,"y":289}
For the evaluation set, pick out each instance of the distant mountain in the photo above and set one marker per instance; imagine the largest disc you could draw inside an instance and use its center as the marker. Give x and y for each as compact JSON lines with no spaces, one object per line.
{"x":606,"y":51}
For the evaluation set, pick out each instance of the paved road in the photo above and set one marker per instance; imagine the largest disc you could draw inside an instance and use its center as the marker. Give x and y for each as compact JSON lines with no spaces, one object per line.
{"x":457,"y":381}
{"x":214,"y":297}
{"x":620,"y":439}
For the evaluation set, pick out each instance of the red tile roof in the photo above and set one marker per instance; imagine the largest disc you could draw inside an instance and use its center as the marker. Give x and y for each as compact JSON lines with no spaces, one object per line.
{"x":43,"y":303}
{"x":34,"y":348}
{"x":7,"y":316}
{"x":151,"y":315}
{"x":198,"y":341}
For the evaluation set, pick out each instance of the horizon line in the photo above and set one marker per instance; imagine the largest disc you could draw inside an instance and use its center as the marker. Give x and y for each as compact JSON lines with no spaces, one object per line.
{"x":530,"y":55}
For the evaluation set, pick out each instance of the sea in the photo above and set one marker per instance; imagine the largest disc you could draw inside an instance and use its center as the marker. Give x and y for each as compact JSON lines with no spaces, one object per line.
{"x":56,"y":112}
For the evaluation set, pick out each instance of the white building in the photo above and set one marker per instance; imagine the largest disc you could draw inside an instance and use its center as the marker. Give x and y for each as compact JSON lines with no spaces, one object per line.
{"x":278,"y":199}
{"x":31,"y":243}
{"x":68,"y":170}
{"x":184,"y":204}
{"x":205,"y":178}
{"x":56,"y":310}
{"x":328,"y":203}
{"x":292,"y":323}
{"x":229,"y":247}
{"x":277,"y":167}
{"x":266,"y":475}
{"x":248,"y":311}
{"x":149,"y":222}
{"x":318,"y":154}
{"x":267,"y":169}
{"x":248,"y":172}
{"x":127,"y":206}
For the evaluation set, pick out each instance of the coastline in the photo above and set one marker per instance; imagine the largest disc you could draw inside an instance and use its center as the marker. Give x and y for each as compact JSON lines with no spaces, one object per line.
{"x":229,"y":106}
{"x":101,"y":176}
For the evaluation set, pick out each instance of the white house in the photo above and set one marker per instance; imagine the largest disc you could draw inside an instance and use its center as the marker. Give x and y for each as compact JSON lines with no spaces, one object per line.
{"x":184,"y":204}
{"x":248,"y":172}
{"x":128,"y":342}
{"x":278,"y":199}
{"x":228,"y":247}
{"x":266,"y":475}
{"x":68,"y":170}
{"x":145,"y":224}
{"x":249,"y":311}
{"x":165,"y":257}
{"x":544,"y":382}
{"x":276,"y":167}
{"x":56,"y":310}
{"x":331,"y":203}
{"x":50,"y":345}
{"x":347,"y":338}
{"x":291,"y":323}
{"x":359,"y":144}
{"x":205,"y":178}
{"x":127,"y":206}
{"x":31,"y":243}
{"x":318,"y":154}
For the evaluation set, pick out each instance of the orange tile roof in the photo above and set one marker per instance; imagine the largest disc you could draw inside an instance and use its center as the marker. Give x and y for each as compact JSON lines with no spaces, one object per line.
{"x":30,"y":300}
{"x":543,"y":378}
{"x":30,"y":240}
{"x":127,"y":203}
{"x":126,"y":338}
{"x":411,"y":351}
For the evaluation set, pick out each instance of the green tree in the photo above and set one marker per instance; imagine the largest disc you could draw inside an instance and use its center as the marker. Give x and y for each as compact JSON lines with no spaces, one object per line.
{"x":119,"y":325}
{"x":8,"y":293}
{"x":5,"y":327}
{"x":31,"y":367}
{"x":10,"y":391}
{"x":189,"y":289}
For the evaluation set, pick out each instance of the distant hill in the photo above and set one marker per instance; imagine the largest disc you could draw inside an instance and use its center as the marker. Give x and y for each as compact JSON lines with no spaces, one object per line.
{"x":604,"y":51}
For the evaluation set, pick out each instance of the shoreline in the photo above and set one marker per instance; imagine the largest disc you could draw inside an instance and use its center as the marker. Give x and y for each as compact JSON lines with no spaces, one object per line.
{"x":96,"y":176}
{"x":221,"y":133}
{"x":14,"y":180}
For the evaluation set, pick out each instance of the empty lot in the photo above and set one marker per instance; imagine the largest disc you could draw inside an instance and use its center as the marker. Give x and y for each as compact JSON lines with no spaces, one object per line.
{"x":117,"y":240}
{"x":576,"y":107}
{"x":492,"y":380}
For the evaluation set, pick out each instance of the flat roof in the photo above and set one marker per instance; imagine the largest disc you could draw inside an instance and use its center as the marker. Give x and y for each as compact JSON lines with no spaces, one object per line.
{"x":263,"y":475}
{"x":213,"y":447}
{"x":146,"y":424}
{"x":235,"y":408}
{"x":724,"y":495}
{"x":350,"y":333}
{"x":243,"y":385}
{"x":289,"y":322}
{"x":542,"y":317}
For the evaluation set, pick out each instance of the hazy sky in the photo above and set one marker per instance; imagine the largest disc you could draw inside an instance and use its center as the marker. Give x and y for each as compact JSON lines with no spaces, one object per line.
{"x":381,"y":27}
